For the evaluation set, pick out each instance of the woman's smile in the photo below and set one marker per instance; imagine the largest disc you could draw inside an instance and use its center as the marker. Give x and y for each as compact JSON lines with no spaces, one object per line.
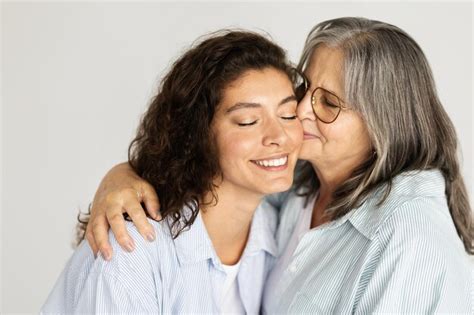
{"x":275,"y":163}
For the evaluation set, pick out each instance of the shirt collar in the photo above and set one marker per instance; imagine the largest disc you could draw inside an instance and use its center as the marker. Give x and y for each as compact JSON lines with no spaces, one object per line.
{"x":409,"y":185}
{"x":262,"y":231}
{"x":194,"y":244}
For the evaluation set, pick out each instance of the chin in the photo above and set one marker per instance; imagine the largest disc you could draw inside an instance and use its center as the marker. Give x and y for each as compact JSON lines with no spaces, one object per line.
{"x":307,"y":153}
{"x":278,"y":186}
{"x":304,"y":157}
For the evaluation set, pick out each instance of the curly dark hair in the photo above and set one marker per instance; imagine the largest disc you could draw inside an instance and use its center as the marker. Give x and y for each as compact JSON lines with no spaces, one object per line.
{"x":174,"y":147}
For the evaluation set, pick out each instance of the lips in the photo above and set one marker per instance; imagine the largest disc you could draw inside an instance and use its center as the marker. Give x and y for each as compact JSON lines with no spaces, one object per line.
{"x":308,"y":135}
{"x":273,"y":164}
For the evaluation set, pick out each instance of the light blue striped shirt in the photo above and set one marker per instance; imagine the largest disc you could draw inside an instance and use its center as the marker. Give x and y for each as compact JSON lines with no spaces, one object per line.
{"x":403,"y":257}
{"x":182,"y":275}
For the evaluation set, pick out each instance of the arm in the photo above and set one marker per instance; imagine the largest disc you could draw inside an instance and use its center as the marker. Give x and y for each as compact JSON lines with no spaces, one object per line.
{"x":123,"y":191}
{"x":120,"y":191}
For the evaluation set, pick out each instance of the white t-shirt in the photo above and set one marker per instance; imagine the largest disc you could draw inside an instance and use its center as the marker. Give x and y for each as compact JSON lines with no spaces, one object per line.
{"x":231,"y":303}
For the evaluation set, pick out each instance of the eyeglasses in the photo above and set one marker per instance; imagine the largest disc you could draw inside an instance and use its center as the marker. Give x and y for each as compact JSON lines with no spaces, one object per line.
{"x":326,"y":105}
{"x":300,"y":84}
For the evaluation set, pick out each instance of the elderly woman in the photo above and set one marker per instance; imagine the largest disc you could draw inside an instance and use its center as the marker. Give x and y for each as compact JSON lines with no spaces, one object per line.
{"x":378,"y":219}
{"x":221,"y":133}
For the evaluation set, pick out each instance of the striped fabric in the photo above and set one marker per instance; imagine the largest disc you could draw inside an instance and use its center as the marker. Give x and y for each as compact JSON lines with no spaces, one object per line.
{"x":402,"y":257}
{"x":170,"y":276}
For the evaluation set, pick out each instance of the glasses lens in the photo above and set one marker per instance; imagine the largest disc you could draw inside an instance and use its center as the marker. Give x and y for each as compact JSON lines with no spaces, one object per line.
{"x":326,"y":105}
{"x":300,"y":91}
{"x":300,"y":85}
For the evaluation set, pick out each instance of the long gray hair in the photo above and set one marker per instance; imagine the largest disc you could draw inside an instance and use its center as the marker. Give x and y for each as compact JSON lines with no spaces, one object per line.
{"x":389,"y":82}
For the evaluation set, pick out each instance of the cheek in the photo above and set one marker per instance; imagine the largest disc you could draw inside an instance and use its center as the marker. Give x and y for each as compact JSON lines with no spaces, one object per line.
{"x":235,"y":148}
{"x":296,"y":134}
{"x":364,"y":141}
{"x":330,"y":132}
{"x":340,"y":131}
{"x":359,"y":135}
{"x":349,"y":133}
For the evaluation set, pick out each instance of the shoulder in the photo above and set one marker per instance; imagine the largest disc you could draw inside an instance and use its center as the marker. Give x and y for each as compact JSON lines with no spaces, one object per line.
{"x":145,"y":253}
{"x":137,"y":274}
{"x":415,"y":214}
{"x":421,"y":220}
{"x":421,"y":227}
{"x":126,"y":274}
{"x":413,"y":196}
{"x":419,"y":241}
{"x":416,"y":209}
{"x":407,"y":186}
{"x":131,"y":270}
{"x":161,"y":229}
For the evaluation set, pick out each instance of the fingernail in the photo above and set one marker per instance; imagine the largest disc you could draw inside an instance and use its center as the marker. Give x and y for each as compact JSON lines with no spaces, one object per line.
{"x":158,"y":216}
{"x":150,"y":236}
{"x":129,"y":246}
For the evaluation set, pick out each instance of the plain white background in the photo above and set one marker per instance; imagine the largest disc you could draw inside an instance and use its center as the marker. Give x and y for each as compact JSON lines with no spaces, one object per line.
{"x":77,"y":76}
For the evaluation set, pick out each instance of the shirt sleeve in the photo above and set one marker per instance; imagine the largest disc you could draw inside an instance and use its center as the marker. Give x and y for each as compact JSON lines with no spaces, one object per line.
{"x":417,"y":271}
{"x":106,"y":293}
{"x":129,"y":283}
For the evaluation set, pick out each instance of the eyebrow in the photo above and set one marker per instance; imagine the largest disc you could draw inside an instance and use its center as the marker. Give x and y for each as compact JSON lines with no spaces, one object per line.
{"x":309,"y":84}
{"x":331,"y":92}
{"x":241,"y":105}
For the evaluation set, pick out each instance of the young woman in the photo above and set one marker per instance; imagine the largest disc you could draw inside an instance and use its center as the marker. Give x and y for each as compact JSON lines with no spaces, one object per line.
{"x":220,"y":134}
{"x":378,"y":219}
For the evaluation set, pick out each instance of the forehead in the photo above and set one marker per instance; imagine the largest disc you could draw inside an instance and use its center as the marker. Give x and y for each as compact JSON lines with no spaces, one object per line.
{"x":258,"y":77}
{"x":325,"y":69}
{"x":265,"y":85}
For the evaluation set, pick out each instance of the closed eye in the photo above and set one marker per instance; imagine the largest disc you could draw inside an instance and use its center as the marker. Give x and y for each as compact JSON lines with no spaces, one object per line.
{"x":247,"y":124}
{"x":326,"y":103}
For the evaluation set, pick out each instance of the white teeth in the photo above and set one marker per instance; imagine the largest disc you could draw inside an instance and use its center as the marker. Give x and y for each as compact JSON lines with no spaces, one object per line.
{"x":274,"y":162}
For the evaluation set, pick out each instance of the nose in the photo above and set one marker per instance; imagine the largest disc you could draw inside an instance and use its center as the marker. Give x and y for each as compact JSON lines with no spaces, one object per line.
{"x":275,"y":133}
{"x":305,"y":109}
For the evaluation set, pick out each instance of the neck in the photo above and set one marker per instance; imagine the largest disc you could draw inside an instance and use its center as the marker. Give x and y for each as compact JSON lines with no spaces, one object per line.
{"x":228,"y":221}
{"x":329,"y":178}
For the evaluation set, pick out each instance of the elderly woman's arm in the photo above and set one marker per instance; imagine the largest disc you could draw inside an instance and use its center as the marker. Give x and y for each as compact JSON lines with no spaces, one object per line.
{"x":121,"y":191}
